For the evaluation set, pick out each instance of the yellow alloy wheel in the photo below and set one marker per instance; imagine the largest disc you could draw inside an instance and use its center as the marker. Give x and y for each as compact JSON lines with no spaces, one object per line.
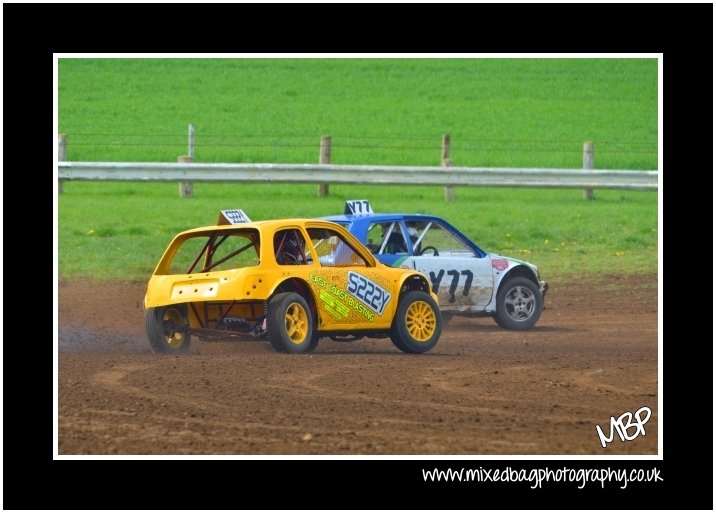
{"x":167,"y":329}
{"x":296,"y":323}
{"x":420,"y":321}
{"x":289,"y":321}
{"x":176,"y":339}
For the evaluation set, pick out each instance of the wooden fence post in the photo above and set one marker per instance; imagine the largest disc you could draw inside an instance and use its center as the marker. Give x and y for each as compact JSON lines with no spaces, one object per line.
{"x":324,"y":157}
{"x":61,"y":156}
{"x":446,"y":161}
{"x":186,"y":189}
{"x":588,"y":163}
{"x":192,"y":133}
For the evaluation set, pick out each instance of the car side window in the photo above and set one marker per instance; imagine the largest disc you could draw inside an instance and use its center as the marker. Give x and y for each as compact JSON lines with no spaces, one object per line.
{"x":289,"y":247}
{"x":333,"y":250}
{"x":433,"y":239}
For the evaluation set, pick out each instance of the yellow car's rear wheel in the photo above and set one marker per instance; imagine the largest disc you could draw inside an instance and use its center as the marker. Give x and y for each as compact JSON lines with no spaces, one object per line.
{"x":417,"y":324}
{"x":167,"y":328}
{"x":290,"y":324}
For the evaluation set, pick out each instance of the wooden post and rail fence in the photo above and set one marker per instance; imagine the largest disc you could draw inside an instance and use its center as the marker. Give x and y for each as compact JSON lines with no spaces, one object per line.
{"x":187,"y":171}
{"x":324,"y":157}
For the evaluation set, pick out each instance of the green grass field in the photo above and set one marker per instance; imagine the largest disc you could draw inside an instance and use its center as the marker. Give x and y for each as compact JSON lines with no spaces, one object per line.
{"x":499,"y":112}
{"x":555,"y":229}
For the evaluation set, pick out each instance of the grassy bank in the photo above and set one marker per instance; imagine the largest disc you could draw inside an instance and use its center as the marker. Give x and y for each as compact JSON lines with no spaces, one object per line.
{"x":120,"y":230}
{"x":499,"y":112}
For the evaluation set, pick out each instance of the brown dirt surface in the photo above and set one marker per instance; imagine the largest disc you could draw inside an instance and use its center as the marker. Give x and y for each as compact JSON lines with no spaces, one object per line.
{"x":482,"y":390}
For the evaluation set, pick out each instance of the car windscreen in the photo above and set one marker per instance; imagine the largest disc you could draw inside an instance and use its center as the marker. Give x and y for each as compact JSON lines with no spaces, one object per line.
{"x":431,"y":238}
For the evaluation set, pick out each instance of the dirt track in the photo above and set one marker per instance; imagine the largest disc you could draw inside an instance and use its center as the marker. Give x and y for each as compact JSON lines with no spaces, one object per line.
{"x":481,"y":391}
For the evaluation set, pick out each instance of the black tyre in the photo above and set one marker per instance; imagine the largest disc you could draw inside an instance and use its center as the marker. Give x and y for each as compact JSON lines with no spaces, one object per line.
{"x":417,"y":324}
{"x":519,"y":304}
{"x":167,"y":328}
{"x":290,"y":324}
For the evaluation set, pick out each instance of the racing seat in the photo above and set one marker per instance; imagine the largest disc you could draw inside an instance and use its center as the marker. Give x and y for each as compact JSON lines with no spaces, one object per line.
{"x":396,"y":244}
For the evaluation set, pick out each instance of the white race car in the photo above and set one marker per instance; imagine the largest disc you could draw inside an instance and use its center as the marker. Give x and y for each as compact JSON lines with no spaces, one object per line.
{"x":468,"y":280}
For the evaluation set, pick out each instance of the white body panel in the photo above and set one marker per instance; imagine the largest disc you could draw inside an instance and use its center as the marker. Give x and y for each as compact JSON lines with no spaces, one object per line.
{"x":464,"y":284}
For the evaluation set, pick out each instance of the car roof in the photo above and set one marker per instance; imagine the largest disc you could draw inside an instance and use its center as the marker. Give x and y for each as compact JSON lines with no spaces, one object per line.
{"x":362,"y":219}
{"x":377,"y":217}
{"x":267,"y":225}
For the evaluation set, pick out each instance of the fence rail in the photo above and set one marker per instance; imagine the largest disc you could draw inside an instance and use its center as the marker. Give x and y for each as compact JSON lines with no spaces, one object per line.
{"x":359,"y":174}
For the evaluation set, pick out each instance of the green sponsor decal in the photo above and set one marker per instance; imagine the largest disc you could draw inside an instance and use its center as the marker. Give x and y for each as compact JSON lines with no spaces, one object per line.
{"x":337,"y":309}
{"x":333,"y":300}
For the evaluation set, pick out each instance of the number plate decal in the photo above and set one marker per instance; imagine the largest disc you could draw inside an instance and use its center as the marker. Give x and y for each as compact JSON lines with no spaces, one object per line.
{"x":358,"y":207}
{"x":233,"y":217}
{"x":370,"y":293}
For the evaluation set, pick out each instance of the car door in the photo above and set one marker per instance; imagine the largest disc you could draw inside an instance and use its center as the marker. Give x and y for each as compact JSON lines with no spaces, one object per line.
{"x":462,"y":280}
{"x":349,"y":293}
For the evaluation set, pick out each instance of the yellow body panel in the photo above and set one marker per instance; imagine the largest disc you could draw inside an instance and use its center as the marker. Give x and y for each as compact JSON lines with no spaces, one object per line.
{"x":360,"y":295}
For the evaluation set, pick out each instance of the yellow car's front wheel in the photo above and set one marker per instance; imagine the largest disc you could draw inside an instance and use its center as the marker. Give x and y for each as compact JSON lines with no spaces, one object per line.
{"x":167,"y":329}
{"x":290,"y":324}
{"x":417,"y":324}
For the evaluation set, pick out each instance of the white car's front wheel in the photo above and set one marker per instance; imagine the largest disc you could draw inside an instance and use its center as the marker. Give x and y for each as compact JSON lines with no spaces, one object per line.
{"x":519,"y":304}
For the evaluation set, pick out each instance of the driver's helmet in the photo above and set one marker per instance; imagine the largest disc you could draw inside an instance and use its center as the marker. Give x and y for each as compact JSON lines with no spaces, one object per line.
{"x":413,"y":234}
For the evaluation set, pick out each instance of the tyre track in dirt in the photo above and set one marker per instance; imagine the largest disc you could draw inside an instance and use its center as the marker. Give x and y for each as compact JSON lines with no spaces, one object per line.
{"x":482,"y":390}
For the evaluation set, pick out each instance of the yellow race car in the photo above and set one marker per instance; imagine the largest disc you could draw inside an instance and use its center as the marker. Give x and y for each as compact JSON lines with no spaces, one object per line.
{"x":291,"y":281}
